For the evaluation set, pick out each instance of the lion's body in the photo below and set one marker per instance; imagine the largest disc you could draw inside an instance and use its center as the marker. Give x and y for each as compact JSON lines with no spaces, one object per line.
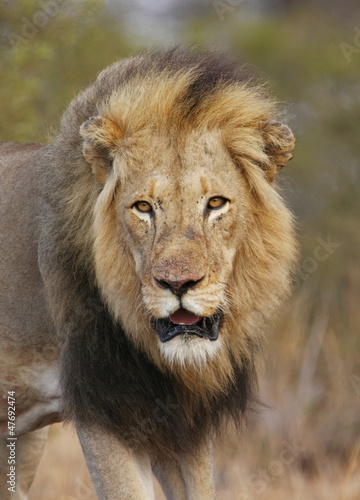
{"x":26,"y":326}
{"x":155,"y":202}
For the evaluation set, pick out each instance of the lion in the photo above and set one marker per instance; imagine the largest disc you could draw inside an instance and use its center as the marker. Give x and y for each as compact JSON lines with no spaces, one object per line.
{"x":143,"y":252}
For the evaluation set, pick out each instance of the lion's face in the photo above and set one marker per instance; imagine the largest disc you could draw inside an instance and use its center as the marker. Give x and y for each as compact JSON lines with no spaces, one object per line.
{"x":182,"y":217}
{"x":183,"y":209}
{"x":192,"y":244}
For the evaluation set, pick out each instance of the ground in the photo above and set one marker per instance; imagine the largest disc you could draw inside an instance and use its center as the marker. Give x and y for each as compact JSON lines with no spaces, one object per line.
{"x":63,"y":475}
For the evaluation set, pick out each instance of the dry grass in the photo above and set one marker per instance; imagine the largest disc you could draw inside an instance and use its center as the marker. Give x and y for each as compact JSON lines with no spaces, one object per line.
{"x":63,"y":475}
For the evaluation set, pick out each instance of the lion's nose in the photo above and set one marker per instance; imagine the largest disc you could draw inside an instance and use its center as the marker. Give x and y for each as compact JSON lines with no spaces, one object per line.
{"x":178,"y":286}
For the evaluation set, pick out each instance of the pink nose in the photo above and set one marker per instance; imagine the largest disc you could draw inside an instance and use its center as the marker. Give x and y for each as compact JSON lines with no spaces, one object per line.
{"x":178,"y":286}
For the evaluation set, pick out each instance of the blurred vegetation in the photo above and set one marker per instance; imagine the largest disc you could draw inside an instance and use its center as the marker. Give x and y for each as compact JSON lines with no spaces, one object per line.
{"x":310,"y":52}
{"x":47,"y":59}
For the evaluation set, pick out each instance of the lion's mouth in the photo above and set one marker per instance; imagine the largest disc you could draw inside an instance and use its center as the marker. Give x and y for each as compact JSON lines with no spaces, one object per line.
{"x":184,"y":322}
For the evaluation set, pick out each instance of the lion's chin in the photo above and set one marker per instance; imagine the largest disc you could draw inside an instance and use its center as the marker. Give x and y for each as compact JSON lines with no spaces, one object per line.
{"x":187,"y":351}
{"x":185,"y":324}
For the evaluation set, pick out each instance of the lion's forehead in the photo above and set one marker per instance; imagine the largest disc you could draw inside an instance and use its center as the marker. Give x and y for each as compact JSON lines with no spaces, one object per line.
{"x":196,"y":167}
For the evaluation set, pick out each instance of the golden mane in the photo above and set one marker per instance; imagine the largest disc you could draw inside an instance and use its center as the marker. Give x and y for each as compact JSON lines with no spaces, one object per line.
{"x":172,"y":94}
{"x":177,"y":91}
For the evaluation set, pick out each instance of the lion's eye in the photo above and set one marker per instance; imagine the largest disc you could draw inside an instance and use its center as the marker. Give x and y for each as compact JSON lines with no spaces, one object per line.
{"x":216,"y":202}
{"x":143,"y":206}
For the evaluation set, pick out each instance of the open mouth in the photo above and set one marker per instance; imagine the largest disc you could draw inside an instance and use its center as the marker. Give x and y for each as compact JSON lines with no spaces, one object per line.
{"x":184,"y":322}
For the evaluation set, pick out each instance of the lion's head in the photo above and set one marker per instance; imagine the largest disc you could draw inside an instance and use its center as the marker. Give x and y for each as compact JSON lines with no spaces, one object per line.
{"x":193,"y":246}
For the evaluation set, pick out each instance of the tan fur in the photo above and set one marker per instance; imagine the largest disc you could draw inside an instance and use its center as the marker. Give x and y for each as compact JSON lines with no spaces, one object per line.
{"x":79,"y":259}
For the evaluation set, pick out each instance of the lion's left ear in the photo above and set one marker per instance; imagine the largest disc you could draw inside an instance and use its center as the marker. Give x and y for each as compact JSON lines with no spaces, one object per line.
{"x":101,"y":137}
{"x":279,"y":141}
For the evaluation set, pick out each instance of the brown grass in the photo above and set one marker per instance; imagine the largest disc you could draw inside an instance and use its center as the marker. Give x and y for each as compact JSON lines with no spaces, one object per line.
{"x":63,"y":475}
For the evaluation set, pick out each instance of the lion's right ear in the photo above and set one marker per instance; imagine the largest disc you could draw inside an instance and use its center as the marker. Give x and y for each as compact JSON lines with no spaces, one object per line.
{"x":101,"y":137}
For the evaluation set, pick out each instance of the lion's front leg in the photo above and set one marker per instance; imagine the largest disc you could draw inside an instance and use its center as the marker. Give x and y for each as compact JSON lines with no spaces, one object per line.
{"x":191,"y":479}
{"x":117,"y":471}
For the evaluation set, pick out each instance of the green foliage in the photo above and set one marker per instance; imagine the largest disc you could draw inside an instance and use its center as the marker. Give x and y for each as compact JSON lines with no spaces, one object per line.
{"x":50,"y":51}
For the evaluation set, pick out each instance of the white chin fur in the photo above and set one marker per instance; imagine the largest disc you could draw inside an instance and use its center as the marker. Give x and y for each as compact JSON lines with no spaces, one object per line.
{"x":189,"y":350}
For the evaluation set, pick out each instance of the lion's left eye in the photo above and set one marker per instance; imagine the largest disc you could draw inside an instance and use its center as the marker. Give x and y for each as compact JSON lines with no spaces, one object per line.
{"x":143,"y":206}
{"x":216,"y":202}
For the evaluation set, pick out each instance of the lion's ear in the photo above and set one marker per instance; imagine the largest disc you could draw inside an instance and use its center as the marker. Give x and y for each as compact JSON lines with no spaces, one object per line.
{"x":101,"y":137}
{"x":279,"y":141}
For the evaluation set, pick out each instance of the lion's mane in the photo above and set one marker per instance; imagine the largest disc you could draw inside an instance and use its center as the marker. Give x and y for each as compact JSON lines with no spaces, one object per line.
{"x":107,"y":379}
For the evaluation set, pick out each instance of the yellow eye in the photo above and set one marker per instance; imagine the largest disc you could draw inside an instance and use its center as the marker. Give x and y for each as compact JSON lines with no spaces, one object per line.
{"x":216,"y":202}
{"x":143,"y":206}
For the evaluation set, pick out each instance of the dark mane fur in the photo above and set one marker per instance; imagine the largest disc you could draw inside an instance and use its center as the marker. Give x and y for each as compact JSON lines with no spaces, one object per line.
{"x":108,"y":382}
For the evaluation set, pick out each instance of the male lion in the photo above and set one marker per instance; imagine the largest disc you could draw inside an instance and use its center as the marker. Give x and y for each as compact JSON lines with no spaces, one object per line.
{"x":142,"y":251}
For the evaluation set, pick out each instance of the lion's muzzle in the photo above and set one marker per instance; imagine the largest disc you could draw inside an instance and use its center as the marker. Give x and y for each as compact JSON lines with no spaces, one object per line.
{"x":180,"y":323}
{"x":178,"y":286}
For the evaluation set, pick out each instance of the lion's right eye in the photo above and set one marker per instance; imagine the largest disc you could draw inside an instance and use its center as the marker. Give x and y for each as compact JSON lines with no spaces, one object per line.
{"x":143,"y":207}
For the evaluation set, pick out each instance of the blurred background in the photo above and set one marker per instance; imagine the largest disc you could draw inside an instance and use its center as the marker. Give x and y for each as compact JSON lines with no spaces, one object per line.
{"x":305,"y":444}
